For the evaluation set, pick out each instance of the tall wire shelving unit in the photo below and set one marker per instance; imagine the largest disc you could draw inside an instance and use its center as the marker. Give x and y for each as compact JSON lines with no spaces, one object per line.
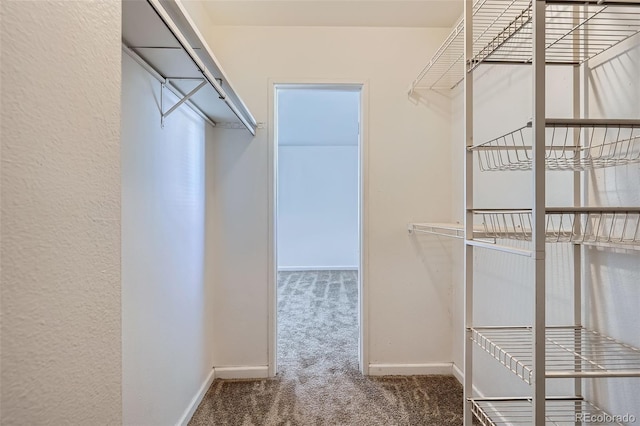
{"x":539,"y":33}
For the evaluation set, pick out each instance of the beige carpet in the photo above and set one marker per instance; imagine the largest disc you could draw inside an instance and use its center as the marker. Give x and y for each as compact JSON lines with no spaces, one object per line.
{"x":318,"y":382}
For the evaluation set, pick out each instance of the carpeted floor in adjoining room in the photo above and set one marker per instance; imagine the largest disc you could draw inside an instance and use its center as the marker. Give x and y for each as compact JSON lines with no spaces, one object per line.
{"x":318,"y":381}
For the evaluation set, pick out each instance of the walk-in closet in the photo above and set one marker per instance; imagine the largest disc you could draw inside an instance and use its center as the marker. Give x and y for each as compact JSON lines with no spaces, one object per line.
{"x":172,"y":248}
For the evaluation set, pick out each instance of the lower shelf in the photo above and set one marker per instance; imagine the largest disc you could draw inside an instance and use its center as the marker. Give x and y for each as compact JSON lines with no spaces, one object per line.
{"x":570,"y":352}
{"x":518,"y":411}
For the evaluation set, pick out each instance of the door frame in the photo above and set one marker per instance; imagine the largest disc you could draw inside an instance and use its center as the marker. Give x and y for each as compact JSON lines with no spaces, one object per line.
{"x":363,"y":209}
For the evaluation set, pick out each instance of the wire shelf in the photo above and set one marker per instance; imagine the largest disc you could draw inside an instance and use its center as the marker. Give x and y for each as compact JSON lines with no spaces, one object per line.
{"x":605,"y":226}
{"x":574,"y":145}
{"x":502,"y":32}
{"x":570,"y":352}
{"x":452,"y":230}
{"x":559,"y":411}
{"x":446,"y":68}
{"x":574,"y":32}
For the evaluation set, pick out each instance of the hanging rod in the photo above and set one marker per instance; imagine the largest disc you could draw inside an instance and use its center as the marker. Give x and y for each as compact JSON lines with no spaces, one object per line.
{"x":165,"y":82}
{"x":244,"y":116}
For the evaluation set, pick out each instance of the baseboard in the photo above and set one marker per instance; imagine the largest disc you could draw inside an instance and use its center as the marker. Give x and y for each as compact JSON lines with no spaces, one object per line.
{"x":316,"y":268}
{"x":242,"y":372}
{"x":457,"y":373}
{"x":197,"y":399}
{"x":443,"y":368}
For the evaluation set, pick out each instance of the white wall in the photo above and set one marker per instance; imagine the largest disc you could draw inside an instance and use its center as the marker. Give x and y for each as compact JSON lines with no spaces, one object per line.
{"x":318,"y":179}
{"x":167,"y":306}
{"x":406,"y":284}
{"x":501,"y":280}
{"x":61,"y":329}
{"x":317,"y":207}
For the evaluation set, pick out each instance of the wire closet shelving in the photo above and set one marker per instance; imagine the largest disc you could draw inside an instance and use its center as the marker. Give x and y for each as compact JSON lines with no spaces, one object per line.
{"x":560,"y":411}
{"x":577,"y":31}
{"x":571,"y":32}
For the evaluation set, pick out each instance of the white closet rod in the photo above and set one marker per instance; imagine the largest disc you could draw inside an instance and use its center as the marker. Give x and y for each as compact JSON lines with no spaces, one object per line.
{"x":250,"y":123}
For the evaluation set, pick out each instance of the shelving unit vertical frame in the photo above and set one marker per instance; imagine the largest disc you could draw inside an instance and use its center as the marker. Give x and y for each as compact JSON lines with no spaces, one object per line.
{"x":538,"y":212}
{"x":540,"y":33}
{"x":468,"y":216}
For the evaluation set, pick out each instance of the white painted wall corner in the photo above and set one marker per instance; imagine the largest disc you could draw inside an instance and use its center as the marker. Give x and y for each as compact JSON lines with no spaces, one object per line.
{"x":197,"y":399}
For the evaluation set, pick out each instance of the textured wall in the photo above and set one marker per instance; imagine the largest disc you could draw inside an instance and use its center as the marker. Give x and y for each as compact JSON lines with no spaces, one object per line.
{"x":166,"y":305}
{"x":61,"y":331}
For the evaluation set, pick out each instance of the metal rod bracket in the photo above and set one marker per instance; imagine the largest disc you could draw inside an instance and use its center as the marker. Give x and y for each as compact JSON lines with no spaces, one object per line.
{"x":164,"y":114}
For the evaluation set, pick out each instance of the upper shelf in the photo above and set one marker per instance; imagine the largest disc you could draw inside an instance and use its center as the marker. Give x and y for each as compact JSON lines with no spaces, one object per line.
{"x":446,"y":68}
{"x":576,"y":30}
{"x":161,"y":33}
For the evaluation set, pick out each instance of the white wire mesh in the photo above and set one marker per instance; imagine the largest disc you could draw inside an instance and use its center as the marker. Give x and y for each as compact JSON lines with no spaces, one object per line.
{"x":570,"y":352}
{"x":582,"y":145}
{"x":502,"y":32}
{"x":574,"y":33}
{"x":518,"y":411}
{"x":587,"y":225}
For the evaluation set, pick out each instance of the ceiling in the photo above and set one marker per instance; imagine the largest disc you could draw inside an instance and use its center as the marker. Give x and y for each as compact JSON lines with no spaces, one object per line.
{"x":342,"y":13}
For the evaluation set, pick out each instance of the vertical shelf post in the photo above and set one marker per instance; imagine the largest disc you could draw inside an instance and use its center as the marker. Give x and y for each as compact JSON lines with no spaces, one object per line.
{"x":577,"y":199}
{"x":539,"y":192}
{"x":468,"y":218}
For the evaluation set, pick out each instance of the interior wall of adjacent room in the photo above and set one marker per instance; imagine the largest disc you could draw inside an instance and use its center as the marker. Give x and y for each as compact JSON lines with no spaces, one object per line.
{"x":611,"y":287}
{"x":502,"y":279}
{"x":317,"y":207}
{"x":407,"y":284}
{"x":61,"y":331}
{"x":167,"y":307}
{"x":318,"y":192}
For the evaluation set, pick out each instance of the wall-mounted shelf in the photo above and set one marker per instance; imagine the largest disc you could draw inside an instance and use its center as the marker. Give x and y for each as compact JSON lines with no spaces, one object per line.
{"x":571,"y":144}
{"x":576,"y":30}
{"x":570,"y":352}
{"x":446,"y":68}
{"x":453,"y":230}
{"x":502,"y":33}
{"x":605,"y":226}
{"x":559,"y":411}
{"x":160,"y":35}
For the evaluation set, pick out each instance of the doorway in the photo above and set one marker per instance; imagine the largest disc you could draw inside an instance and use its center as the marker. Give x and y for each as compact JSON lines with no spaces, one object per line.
{"x":317,"y":259}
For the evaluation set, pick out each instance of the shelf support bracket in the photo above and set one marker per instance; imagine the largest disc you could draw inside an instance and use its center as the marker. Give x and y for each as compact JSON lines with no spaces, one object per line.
{"x":186,"y":97}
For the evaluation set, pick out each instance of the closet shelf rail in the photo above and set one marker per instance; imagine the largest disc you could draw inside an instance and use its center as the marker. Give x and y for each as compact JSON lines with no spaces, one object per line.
{"x":559,"y":411}
{"x":603,"y":226}
{"x":571,"y":351}
{"x":571,"y":144}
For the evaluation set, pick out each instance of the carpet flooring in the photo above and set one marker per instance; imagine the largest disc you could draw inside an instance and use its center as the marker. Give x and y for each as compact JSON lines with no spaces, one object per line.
{"x":318,"y":381}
